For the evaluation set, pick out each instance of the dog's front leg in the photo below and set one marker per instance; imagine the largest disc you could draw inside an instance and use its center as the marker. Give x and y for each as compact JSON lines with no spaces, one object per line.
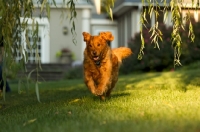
{"x":90,"y":82}
{"x":103,"y":81}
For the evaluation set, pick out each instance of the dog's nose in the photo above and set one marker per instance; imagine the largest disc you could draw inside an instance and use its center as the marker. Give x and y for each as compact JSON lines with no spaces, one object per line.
{"x":94,"y":52}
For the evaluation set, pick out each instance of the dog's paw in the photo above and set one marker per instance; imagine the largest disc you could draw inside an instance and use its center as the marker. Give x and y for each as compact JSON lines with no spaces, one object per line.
{"x":99,"y":92}
{"x":93,"y":91}
{"x":102,"y":97}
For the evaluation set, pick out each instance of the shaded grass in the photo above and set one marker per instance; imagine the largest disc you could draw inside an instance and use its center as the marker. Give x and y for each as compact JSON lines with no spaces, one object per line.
{"x":152,"y":102}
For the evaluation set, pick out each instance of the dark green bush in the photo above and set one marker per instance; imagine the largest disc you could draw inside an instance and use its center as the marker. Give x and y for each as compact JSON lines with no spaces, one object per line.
{"x":74,"y":73}
{"x":190,"y":50}
{"x":163,"y":59}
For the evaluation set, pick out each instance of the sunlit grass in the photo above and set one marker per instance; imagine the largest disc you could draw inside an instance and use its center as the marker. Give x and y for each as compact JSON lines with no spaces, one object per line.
{"x":151,"y":102}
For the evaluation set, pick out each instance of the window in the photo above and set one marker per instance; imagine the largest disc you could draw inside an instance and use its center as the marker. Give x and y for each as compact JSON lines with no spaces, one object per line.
{"x":32,"y":50}
{"x":41,"y":47}
{"x":36,"y":48}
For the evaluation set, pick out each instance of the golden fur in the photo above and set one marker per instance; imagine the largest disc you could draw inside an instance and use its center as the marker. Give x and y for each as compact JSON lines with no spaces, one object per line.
{"x":101,"y":64}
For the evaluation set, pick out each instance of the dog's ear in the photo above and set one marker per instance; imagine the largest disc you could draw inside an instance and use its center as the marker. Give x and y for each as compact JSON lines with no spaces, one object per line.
{"x":86,"y":36}
{"x":107,"y":36}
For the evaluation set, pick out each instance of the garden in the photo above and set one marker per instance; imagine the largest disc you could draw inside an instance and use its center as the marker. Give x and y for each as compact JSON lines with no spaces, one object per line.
{"x":154,"y":101}
{"x":151,"y":96}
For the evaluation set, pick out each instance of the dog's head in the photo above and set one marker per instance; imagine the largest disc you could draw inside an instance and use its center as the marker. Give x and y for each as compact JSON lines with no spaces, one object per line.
{"x":97,"y":45}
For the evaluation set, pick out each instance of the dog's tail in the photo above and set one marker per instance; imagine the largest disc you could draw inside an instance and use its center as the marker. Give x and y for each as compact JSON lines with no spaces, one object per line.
{"x":122,"y":53}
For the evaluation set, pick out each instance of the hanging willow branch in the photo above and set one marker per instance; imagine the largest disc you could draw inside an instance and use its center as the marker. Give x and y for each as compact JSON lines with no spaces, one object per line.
{"x":175,"y":6}
{"x":106,"y":7}
{"x":11,"y":30}
{"x":71,"y":5}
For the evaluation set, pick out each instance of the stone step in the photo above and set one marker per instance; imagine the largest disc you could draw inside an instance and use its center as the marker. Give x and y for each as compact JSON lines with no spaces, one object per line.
{"x":49,"y":72}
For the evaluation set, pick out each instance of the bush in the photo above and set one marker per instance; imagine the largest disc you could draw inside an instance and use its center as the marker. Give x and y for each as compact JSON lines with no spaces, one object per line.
{"x":190,"y":50}
{"x":160,"y":60}
{"x":74,"y":73}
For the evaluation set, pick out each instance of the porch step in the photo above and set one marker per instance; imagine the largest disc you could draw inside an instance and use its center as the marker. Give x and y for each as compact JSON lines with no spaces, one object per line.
{"x":49,"y":72}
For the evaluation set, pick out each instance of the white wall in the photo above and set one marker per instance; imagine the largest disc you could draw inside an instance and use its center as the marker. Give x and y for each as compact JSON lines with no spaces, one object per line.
{"x":103,"y":26}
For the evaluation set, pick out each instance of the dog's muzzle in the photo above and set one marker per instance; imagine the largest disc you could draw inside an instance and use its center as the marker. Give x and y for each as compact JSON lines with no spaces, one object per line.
{"x":95,"y":58}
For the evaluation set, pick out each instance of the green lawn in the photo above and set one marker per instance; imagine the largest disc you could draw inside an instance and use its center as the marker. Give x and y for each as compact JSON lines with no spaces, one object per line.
{"x":151,"y":102}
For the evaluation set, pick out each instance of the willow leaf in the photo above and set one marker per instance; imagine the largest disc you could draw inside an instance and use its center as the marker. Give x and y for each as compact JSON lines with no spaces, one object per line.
{"x":111,"y":14}
{"x":19,"y":86}
{"x":48,"y":10}
{"x":42,"y":6}
{"x":54,"y":2}
{"x":37,"y":91}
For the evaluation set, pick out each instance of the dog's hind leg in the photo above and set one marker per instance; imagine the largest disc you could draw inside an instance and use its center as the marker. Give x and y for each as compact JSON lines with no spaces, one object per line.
{"x":109,"y":91}
{"x":102,"y":97}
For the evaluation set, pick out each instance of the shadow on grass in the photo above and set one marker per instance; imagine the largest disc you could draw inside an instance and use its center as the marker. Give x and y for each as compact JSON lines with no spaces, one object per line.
{"x":189,"y":79}
{"x":112,"y":96}
{"x":48,"y":96}
{"x":117,"y":95}
{"x":124,"y":81}
{"x":51,"y":92}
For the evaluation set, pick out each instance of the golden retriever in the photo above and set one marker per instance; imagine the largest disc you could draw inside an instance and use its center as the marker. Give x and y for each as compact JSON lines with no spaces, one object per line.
{"x":101,"y":63}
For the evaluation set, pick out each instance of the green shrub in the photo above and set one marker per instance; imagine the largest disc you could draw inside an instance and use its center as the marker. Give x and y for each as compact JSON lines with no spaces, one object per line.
{"x":74,"y":73}
{"x":190,"y":50}
{"x":12,"y":71}
{"x":160,"y":60}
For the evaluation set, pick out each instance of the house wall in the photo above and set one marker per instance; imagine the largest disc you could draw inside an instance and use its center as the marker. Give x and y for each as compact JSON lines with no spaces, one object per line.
{"x":135,"y":18}
{"x":58,"y":40}
{"x":102,"y":25}
{"x":129,"y":24}
{"x":59,"y":18}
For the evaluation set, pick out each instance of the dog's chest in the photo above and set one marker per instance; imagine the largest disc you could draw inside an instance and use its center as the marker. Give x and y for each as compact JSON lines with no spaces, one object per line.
{"x":95,"y":73}
{"x":98,"y":72}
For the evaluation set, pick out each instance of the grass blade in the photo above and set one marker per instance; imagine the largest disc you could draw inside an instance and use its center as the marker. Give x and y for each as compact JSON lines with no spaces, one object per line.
{"x":37,"y":91}
{"x":19,"y":86}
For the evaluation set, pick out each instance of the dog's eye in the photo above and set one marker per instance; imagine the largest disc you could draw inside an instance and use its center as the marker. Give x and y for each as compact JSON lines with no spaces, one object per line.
{"x":90,"y":45}
{"x":98,"y":45}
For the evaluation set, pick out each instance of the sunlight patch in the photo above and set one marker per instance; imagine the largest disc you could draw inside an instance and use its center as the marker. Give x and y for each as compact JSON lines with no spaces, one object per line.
{"x":29,"y":122}
{"x":129,"y":86}
{"x":168,"y":104}
{"x":74,"y":101}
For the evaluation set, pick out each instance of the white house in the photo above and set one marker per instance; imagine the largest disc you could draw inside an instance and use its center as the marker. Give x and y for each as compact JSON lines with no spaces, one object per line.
{"x":55,"y":33}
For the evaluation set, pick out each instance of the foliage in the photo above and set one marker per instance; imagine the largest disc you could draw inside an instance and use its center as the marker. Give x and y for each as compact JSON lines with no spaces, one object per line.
{"x":175,"y":7}
{"x":106,"y":7}
{"x":74,"y":73}
{"x":14,"y":17}
{"x":195,"y":65}
{"x":11,"y":29}
{"x":190,"y":50}
{"x":13,"y":73}
{"x":153,"y":59}
{"x":156,"y":102}
{"x":63,"y":51}
{"x":161,"y":59}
